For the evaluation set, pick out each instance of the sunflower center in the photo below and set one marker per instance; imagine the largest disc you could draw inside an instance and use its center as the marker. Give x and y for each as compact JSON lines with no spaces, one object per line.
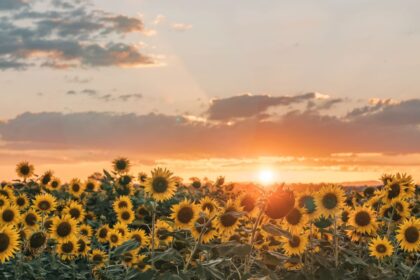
{"x":24,"y":169}
{"x":64,"y":229}
{"x":227,"y":219}
{"x":330,"y":201}
{"x":162,"y":234}
{"x":90,"y":186}
{"x":362,"y":218}
{"x":20,"y":201}
{"x":37,"y":240}
{"x":97,"y":258}
{"x":394,"y":191}
{"x":121,"y":165}
{"x":8,"y":215}
{"x":122,"y":204}
{"x":128,"y":257}
{"x":248,"y":203}
{"x":381,"y":248}
{"x":84,"y":232}
{"x":294,"y":217}
{"x":294,"y":242}
{"x":46,"y":179}
{"x":201,"y":225}
{"x":411,"y":234}
{"x":137,"y":237}
{"x":102,"y":233}
{"x":309,"y":203}
{"x":74,"y":213}
{"x":67,"y":247}
{"x":114,"y":238}
{"x":54,"y":184}
{"x":185,"y":214}
{"x":75,"y":187}
{"x":160,"y":184}
{"x":44,"y":205}
{"x":30,"y":219}
{"x":82,"y":245}
{"x":4,"y":242}
{"x":345,"y":216}
{"x":125,"y":215}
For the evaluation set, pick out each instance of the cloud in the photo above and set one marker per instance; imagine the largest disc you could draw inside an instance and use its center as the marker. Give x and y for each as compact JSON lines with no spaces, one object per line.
{"x":247,"y":105}
{"x":159,"y":19}
{"x":77,"y":80}
{"x":105,"y":97}
{"x":181,"y":26}
{"x":296,"y":133}
{"x":12,"y":4}
{"x":68,"y":35}
{"x":323,"y":104}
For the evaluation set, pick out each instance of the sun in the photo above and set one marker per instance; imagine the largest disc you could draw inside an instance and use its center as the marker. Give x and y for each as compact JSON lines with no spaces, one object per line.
{"x":266,"y":176}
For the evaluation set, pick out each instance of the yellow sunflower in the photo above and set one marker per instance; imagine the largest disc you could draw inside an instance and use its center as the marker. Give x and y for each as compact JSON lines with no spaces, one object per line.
{"x":121,"y":165}
{"x":161,"y":186}
{"x":21,"y":201}
{"x":85,"y":230}
{"x":296,"y":245}
{"x":408,"y":235}
{"x":363,"y":219}
{"x":68,"y":250}
{"x":55,"y":184}
{"x":330,"y":200}
{"x":31,"y":219}
{"x":184,"y":213}
{"x":129,"y":257}
{"x":122,"y":228}
{"x":98,"y":257}
{"x":9,"y":242}
{"x":125,"y":215}
{"x":227,"y":221}
{"x":248,"y":202}
{"x":83,"y":247}
{"x":91,"y":185}
{"x":295,"y":220}
{"x":140,"y":236}
{"x":76,"y":188}
{"x":102,"y":234}
{"x":163,"y":233}
{"x":37,"y":240}
{"x":4,"y":200}
{"x":121,"y":202}
{"x":8,"y":192}
{"x":203,"y":226}
{"x":306,"y":200}
{"x":394,"y":190}
{"x":64,"y":228}
{"x":9,"y":215}
{"x":45,"y":203}
{"x":115,"y":238}
{"x":24,"y":170}
{"x":45,"y":178}
{"x":75,"y":210}
{"x":209,"y":205}
{"x":380,"y":248}
{"x":140,"y":264}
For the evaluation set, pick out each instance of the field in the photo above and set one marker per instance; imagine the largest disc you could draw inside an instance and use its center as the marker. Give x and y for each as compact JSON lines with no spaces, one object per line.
{"x":120,"y":225}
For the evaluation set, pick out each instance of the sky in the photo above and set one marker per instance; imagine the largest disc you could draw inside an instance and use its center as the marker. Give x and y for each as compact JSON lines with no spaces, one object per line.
{"x":310,"y":90}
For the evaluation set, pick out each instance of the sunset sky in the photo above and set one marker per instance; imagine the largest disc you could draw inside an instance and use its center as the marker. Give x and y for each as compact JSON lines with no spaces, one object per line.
{"x":311,"y":90}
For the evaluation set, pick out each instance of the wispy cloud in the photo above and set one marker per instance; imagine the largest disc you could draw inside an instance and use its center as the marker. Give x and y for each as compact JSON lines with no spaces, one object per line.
{"x":105,"y":97}
{"x":181,"y":26}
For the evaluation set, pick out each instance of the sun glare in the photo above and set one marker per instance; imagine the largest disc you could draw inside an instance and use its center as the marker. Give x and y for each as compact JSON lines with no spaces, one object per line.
{"x":266,"y":177}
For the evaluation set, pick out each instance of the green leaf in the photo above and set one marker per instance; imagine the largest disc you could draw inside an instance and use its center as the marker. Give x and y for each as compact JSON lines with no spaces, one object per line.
{"x":276,"y":231}
{"x":125,"y":247}
{"x":233,"y":249}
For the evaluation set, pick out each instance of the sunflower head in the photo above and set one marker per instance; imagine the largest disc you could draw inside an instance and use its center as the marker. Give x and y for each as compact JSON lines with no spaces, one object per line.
{"x":102,"y":234}
{"x":115,"y":238}
{"x":125,"y":215}
{"x":408,"y":235}
{"x":161,"y":185}
{"x":91,"y":185}
{"x":279,"y":204}
{"x":24,"y":169}
{"x":140,"y":236}
{"x":54,"y":184}
{"x":330,"y":200}
{"x":295,"y":245}
{"x":98,"y":257}
{"x":121,"y":165}
{"x":45,"y":203}
{"x":64,"y":228}
{"x":75,"y":210}
{"x":68,"y":250}
{"x":184,"y":214}
{"x":9,"y":215}
{"x":9,"y":242}
{"x":228,"y":220}
{"x":380,"y":248}
{"x":363,"y":220}
{"x":31,"y":219}
{"x":76,"y":187}
{"x":22,"y":201}
{"x":46,"y":178}
{"x":37,"y":240}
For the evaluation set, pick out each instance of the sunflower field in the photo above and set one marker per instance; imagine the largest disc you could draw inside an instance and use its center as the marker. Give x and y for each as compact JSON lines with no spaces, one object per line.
{"x":117,"y":225}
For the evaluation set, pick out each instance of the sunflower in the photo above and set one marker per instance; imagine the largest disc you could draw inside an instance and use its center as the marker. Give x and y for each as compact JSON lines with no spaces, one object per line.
{"x":21,"y":201}
{"x":140,"y":236}
{"x":64,"y":228}
{"x":55,"y":184}
{"x":9,"y":215}
{"x":121,"y":202}
{"x":83,"y":247}
{"x":31,"y":219}
{"x":102,"y":234}
{"x":75,"y":210}
{"x":7,"y":191}
{"x":9,"y":242}
{"x":203,"y":226}
{"x":142,"y":177}
{"x":296,"y":245}
{"x":122,"y":228}
{"x":345,"y":215}
{"x":125,"y":215}
{"x":394,"y":190}
{"x":24,"y":170}
{"x":91,"y":185}
{"x":68,"y":250}
{"x":227,"y":222}
{"x":37,"y":240}
{"x":129,"y":257}
{"x":408,"y":235}
{"x":380,"y":248}
{"x":115,"y":238}
{"x":4,"y":200}
{"x":209,"y":205}
{"x":402,"y":207}
{"x":279,"y":203}
{"x":306,"y":200}
{"x":363,"y":220}
{"x":330,"y":200}
{"x":140,"y":264}
{"x":98,"y":257}
{"x":184,"y":213}
{"x":248,"y":202}
{"x":295,"y":220}
{"x":121,"y":165}
{"x":46,"y":178}
{"x":45,"y":203}
{"x":85,"y":230}
{"x":163,"y":233}
{"x":76,"y":188}
{"x":161,"y":186}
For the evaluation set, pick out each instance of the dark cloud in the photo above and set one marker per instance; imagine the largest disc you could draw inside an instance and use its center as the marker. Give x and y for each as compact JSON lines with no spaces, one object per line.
{"x":296,"y":133}
{"x":105,"y":97}
{"x":247,"y":105}
{"x":64,"y":38}
{"x":375,"y":106}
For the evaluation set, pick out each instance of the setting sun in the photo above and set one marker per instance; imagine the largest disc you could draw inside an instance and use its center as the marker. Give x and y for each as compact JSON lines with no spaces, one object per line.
{"x":266,"y":177}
